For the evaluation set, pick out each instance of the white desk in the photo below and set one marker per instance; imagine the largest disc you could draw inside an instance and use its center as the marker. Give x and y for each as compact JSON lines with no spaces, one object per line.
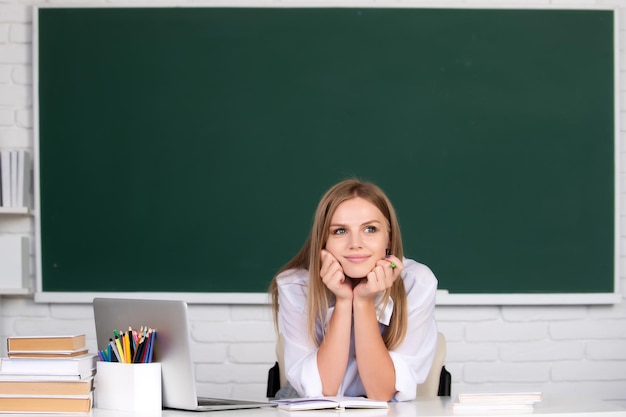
{"x":548,"y":407}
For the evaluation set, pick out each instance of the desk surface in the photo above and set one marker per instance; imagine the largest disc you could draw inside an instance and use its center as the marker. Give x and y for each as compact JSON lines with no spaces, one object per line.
{"x":441,"y":406}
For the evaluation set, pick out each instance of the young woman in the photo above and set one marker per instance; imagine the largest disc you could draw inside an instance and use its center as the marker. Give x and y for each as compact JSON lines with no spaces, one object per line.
{"x":356,"y":317}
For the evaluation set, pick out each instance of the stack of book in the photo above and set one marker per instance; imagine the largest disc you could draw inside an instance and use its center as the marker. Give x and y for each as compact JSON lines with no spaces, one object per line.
{"x":15,"y":178}
{"x":47,"y":374}
{"x":500,"y":402}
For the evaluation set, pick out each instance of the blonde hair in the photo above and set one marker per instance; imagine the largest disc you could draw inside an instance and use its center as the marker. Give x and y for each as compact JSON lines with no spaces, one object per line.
{"x":309,"y":257}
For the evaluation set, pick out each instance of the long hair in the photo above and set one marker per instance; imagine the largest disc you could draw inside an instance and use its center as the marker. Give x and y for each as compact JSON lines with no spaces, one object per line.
{"x":309,"y":257}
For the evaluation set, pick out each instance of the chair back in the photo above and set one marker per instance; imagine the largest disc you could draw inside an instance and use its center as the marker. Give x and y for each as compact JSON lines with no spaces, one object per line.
{"x":430,"y":387}
{"x":280,"y":359}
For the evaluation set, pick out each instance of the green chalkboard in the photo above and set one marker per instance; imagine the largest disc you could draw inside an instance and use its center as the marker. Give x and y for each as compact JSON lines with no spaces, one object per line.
{"x":185,"y":149}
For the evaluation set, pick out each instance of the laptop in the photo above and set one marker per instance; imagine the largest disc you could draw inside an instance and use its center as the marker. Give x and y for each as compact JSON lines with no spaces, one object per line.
{"x":172,"y":348}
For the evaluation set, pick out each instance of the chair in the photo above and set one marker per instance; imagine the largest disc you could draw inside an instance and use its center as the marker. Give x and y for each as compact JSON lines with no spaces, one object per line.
{"x":437,"y":383}
{"x":276,"y":376}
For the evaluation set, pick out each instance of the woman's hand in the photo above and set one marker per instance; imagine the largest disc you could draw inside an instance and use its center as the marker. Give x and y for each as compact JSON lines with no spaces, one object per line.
{"x":380,"y":278}
{"x":334,"y":278}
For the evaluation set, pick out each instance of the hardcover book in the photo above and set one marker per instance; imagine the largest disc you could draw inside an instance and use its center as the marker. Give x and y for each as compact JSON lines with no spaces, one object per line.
{"x":46,"y":343}
{"x":490,"y":402}
{"x":72,"y":365}
{"x":52,"y":404}
{"x":47,"y":353}
{"x":44,"y":388}
{"x":500,"y":397}
{"x":37,"y":376}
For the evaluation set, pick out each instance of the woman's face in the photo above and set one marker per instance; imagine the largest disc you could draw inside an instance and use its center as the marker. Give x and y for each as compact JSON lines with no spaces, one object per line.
{"x":358,"y":236}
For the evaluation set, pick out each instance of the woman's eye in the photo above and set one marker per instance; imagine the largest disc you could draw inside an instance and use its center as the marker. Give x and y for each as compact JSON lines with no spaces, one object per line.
{"x":339,"y":231}
{"x":370,"y":229}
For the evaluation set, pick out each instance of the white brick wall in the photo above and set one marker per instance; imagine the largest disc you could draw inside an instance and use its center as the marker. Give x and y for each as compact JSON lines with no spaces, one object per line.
{"x":556,"y":349}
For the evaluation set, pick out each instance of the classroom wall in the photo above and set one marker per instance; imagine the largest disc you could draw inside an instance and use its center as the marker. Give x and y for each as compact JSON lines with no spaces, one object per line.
{"x":556,"y":349}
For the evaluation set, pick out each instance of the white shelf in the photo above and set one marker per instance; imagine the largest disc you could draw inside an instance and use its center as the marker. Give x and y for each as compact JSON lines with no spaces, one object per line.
{"x":15,"y":291}
{"x":15,"y":210}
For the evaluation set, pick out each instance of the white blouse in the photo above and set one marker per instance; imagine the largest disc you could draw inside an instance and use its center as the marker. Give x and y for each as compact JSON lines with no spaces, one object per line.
{"x":412,"y":359}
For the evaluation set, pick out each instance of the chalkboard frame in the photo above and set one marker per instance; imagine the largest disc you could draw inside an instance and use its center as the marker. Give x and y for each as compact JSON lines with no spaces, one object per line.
{"x":259,"y":298}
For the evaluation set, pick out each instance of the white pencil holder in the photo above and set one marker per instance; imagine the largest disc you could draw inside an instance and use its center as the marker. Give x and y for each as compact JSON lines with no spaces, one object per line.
{"x":128,"y":386}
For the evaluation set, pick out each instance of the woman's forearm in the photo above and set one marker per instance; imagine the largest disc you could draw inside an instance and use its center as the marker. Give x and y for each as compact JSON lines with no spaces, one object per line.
{"x":375,"y":365}
{"x":332,"y":356}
